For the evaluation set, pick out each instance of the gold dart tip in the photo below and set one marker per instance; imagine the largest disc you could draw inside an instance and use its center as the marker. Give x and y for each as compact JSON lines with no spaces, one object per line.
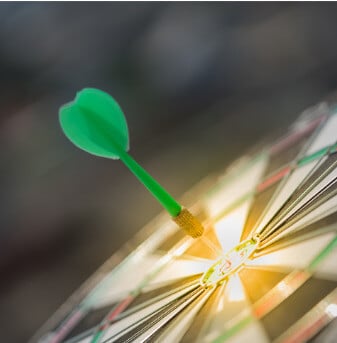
{"x":189,"y":223}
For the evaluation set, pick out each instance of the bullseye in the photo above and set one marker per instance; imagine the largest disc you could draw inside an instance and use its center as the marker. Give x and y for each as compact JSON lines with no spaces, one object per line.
{"x":229,"y":263}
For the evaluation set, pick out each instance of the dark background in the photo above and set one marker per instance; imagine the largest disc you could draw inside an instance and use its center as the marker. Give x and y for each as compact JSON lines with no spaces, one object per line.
{"x":199,"y":83}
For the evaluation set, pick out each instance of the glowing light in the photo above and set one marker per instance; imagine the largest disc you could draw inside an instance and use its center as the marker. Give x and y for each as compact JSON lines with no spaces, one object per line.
{"x":229,"y":228}
{"x":221,"y":303}
{"x":284,"y":288}
{"x":229,"y":263}
{"x":181,"y":247}
{"x":229,"y":192}
{"x":331,"y":310}
{"x":235,"y":289}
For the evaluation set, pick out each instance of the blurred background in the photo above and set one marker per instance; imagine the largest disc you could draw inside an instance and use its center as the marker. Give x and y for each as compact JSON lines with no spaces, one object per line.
{"x":199,"y":83}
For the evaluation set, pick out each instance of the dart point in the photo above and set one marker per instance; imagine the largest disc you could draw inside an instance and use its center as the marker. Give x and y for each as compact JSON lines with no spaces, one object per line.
{"x":189,"y":223}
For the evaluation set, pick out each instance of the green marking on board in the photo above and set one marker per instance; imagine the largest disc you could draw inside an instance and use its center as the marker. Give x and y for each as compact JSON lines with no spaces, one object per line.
{"x":317,"y":154}
{"x":97,"y":337}
{"x":322,"y":255}
{"x":234,"y":329}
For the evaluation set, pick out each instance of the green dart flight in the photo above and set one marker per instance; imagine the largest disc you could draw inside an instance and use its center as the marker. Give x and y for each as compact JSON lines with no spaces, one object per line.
{"x":94,"y":122}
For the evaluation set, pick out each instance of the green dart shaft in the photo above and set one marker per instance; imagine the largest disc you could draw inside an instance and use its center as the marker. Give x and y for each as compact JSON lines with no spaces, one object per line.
{"x":166,"y":200}
{"x":180,"y":215}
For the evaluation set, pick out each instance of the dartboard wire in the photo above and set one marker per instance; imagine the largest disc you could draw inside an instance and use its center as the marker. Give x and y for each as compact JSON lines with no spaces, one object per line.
{"x":81,"y":310}
{"x":312,"y":146}
{"x":138,"y":328}
{"x":150,"y":305}
{"x":84,"y":307}
{"x":122,"y":305}
{"x":82,"y":299}
{"x":269,"y":181}
{"x":279,"y":219}
{"x":265,"y":230}
{"x":249,"y":315}
{"x":152,"y":318}
{"x":313,"y":321}
{"x":304,"y":233}
{"x":139,"y":307}
{"x":321,"y":152}
{"x":234,"y":172}
{"x":276,"y":295}
{"x":119,"y":314}
{"x":100,"y":281}
{"x":260,"y":227}
{"x":184,"y":288}
{"x":248,"y":196}
{"x":301,"y":234}
{"x":319,"y":173}
{"x":299,"y":231}
{"x":174,"y":253}
{"x":325,"y":165}
{"x":213,"y":311}
{"x":265,"y":184}
{"x":179,"y":326}
{"x":294,"y":278}
{"x":327,"y":193}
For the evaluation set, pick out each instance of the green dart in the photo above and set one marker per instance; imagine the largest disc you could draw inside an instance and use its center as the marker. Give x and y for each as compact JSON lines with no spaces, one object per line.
{"x":94,"y":122}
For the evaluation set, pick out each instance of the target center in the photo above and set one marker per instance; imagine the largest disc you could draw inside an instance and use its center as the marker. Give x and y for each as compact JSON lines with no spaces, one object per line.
{"x":229,"y":263}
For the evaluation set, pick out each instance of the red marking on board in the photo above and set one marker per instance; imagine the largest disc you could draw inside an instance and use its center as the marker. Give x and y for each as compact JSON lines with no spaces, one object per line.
{"x":68,"y":326}
{"x":273,"y":178}
{"x":275,"y":296}
{"x":294,"y":137}
{"x":118,"y":309}
{"x":307,"y":332}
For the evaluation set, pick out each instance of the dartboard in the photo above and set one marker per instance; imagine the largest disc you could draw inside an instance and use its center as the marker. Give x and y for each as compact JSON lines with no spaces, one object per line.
{"x":265,"y":269}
